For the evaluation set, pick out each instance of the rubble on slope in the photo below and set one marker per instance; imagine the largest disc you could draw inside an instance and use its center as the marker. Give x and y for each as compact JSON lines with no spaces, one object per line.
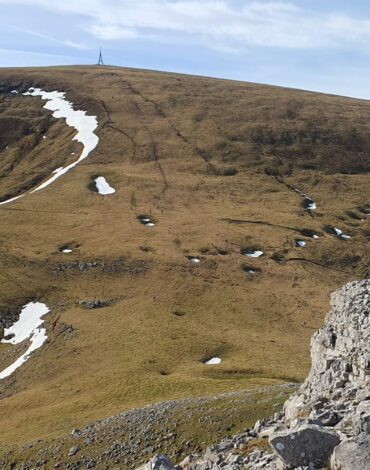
{"x":327,"y":420}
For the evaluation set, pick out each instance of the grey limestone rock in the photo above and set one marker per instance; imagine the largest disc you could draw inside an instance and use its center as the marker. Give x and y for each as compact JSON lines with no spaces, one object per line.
{"x":307,"y":445}
{"x":328,"y":417}
{"x":158,"y":462}
{"x":353,"y":454}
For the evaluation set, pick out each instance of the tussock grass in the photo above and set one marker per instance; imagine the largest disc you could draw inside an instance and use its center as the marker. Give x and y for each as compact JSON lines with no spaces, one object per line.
{"x":163,"y":163}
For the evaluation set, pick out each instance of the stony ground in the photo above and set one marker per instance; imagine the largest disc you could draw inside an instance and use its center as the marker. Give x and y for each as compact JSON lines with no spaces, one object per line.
{"x":326,"y":423}
{"x":126,"y":440}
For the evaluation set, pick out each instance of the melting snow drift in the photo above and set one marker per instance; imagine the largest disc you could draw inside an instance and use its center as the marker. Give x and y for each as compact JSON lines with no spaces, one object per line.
{"x":27,"y":327}
{"x":103,"y":186}
{"x":147,"y":221}
{"x":254,"y":254}
{"x":11,"y":199}
{"x":213,"y":361}
{"x":84,"y":125}
{"x":340,"y":234}
{"x":308,"y":202}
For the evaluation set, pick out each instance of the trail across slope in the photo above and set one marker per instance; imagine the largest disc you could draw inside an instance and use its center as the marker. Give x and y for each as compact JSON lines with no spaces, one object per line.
{"x":184,"y":290}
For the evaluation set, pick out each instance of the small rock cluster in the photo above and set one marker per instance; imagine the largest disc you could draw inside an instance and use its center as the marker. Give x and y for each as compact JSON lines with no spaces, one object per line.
{"x":7,"y":319}
{"x":118,"y":265}
{"x":91,"y":304}
{"x":126,"y":440}
{"x":327,"y":422}
{"x":9,"y":316}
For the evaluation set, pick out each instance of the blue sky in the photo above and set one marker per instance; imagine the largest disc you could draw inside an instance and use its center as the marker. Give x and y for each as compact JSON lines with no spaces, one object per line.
{"x":320,"y":45}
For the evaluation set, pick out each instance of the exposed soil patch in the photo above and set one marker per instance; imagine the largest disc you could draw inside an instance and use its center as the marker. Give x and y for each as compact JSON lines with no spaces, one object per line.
{"x":251,"y":270}
{"x":179,"y":313}
{"x":91,"y":186}
{"x":310,"y":233}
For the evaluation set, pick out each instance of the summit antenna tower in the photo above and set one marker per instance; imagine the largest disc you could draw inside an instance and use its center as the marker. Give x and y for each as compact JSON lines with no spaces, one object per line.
{"x":100,"y":61}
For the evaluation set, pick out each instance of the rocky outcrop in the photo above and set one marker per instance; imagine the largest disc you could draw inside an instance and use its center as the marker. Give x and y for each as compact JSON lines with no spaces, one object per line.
{"x":328,"y":419}
{"x":340,"y":353}
{"x":159,"y":462}
{"x":307,"y":445}
{"x":352,"y":453}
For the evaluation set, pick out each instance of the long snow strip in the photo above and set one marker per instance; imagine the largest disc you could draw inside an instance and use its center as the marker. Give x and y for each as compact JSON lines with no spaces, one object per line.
{"x":84,"y":125}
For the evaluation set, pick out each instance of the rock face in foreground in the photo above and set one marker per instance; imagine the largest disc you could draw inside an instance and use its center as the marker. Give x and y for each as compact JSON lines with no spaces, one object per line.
{"x":308,"y":445}
{"x":328,"y":420}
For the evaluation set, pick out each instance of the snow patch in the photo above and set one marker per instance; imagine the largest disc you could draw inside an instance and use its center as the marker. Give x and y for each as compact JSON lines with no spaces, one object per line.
{"x":213,"y":361}
{"x":254,"y":254}
{"x":340,"y":234}
{"x":27,"y":327}
{"x":67,"y":250}
{"x":194,"y":260}
{"x":147,"y":221}
{"x":308,"y":202}
{"x":300,"y":243}
{"x":84,"y":125}
{"x":311,"y":205}
{"x":103,"y":186}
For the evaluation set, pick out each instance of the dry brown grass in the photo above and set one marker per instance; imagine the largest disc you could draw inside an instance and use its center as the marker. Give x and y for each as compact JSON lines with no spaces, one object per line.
{"x":138,"y":351}
{"x":260,"y":443}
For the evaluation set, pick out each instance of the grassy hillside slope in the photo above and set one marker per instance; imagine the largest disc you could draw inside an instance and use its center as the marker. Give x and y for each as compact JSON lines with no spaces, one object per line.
{"x":214,"y":163}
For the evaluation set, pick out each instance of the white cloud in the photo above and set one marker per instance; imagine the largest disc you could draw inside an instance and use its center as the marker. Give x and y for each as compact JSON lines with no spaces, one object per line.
{"x":229,"y":24}
{"x":111,"y":32}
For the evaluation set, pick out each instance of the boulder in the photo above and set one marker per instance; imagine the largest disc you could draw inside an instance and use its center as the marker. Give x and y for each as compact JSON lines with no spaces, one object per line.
{"x":353,"y":454}
{"x":73,"y":451}
{"x":362,"y":417}
{"x":331,"y":406}
{"x":307,"y":445}
{"x":158,"y":462}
